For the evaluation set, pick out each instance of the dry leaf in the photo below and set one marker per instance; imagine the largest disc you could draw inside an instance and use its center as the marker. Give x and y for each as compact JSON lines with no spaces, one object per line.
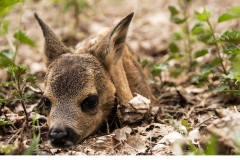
{"x":136,"y":143}
{"x":172,"y":137}
{"x":139,"y":102}
{"x":227,"y":128}
{"x":121,"y":133}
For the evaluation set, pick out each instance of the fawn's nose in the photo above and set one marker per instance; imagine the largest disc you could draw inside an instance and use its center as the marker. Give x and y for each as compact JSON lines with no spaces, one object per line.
{"x":62,"y":137}
{"x":58,"y":134}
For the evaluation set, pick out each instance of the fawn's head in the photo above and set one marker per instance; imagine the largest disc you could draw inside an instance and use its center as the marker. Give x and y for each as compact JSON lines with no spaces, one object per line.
{"x":79,"y":92}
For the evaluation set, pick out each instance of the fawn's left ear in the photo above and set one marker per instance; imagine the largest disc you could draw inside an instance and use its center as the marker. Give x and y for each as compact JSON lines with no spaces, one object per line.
{"x":111,"y":47}
{"x":53,"y":47}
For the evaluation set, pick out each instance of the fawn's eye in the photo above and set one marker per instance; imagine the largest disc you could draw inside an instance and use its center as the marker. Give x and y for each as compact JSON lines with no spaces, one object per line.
{"x":89,"y":103}
{"x":47,"y":103}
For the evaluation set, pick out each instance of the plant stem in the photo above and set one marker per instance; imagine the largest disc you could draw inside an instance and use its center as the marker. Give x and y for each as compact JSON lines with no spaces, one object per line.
{"x":189,"y":46}
{"x":17,"y":41}
{"x":184,"y":7}
{"x":217,"y":47}
{"x":21,"y":95}
{"x":11,"y":44}
{"x":25,"y":111}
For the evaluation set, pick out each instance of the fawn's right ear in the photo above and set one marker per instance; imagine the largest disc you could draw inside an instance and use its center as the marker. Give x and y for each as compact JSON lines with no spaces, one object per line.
{"x":53,"y":47}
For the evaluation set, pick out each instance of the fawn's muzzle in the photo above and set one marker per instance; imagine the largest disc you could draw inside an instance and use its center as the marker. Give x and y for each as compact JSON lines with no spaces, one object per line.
{"x":62,"y":137}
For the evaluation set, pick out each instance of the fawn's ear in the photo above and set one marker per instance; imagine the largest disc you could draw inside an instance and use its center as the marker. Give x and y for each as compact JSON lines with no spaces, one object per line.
{"x":53,"y":47}
{"x":110,"y":48}
{"x":117,"y":40}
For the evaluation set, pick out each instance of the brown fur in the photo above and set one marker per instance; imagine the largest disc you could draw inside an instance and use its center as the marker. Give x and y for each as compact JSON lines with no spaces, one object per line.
{"x":101,"y":66}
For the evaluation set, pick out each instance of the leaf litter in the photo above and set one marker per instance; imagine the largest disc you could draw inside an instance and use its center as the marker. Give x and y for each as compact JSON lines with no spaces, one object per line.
{"x":145,"y":128}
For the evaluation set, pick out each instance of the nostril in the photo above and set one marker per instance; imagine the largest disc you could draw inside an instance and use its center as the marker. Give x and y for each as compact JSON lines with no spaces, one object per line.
{"x":58,"y":135}
{"x":53,"y":135}
{"x":62,"y":134}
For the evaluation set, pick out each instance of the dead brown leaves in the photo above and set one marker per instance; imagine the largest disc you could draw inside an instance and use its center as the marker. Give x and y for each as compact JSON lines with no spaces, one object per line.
{"x":148,"y":128}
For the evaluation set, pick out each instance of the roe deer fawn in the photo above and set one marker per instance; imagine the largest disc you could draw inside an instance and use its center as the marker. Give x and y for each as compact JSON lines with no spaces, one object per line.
{"x":80,"y":87}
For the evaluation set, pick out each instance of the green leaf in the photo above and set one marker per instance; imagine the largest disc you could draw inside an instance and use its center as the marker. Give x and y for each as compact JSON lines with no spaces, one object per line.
{"x":7,"y":5}
{"x":206,"y":70}
{"x":8,"y":53}
{"x":174,"y":56}
{"x":4,"y":100}
{"x":237,"y":92}
{"x":176,"y":36}
{"x":173,"y":47}
{"x":189,"y":129}
{"x":212,"y":147}
{"x":7,"y":84}
{"x":144,"y":63}
{"x":220,"y":88}
{"x":231,"y":13}
{"x":31,"y":79}
{"x":178,"y":20}
{"x":3,"y":123}
{"x":33,"y":146}
{"x":83,"y":4}
{"x":236,"y":64}
{"x":236,"y":76}
{"x":7,"y":149}
{"x":4,"y":27}
{"x":158,"y":68}
{"x":204,"y":16}
{"x":200,"y":53}
{"x":232,"y":49}
{"x":206,"y":38}
{"x":229,"y":77}
{"x":185,"y":123}
{"x":231,"y":36}
{"x":17,"y":70}
{"x":5,"y":24}
{"x":15,"y":93}
{"x":22,"y":37}
{"x":198,"y":28}
{"x":215,"y":61}
{"x":177,"y":71}
{"x":5,"y":61}
{"x":173,"y":10}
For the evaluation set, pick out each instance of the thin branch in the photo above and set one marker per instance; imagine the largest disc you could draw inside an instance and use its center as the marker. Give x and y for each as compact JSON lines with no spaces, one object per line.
{"x":217,"y":47}
{"x":203,"y":122}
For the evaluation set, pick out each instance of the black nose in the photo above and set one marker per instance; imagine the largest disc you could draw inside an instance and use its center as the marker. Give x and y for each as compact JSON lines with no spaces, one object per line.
{"x":62,"y":137}
{"x":58,"y":134}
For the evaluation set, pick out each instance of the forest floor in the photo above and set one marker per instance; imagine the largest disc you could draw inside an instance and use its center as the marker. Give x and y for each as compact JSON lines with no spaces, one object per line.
{"x":182,"y":116}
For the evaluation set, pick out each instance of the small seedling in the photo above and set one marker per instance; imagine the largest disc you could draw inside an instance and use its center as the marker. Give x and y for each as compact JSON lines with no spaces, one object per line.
{"x":18,"y":86}
{"x":34,"y":144}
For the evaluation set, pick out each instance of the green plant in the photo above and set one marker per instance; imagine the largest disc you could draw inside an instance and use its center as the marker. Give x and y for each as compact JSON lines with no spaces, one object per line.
{"x":225,"y":46}
{"x":157,"y":70}
{"x":187,"y":124}
{"x":8,"y":57}
{"x":3,"y":122}
{"x":7,"y":149}
{"x":18,"y":85}
{"x":217,"y":73}
{"x":181,"y":18}
{"x":34,"y":145}
{"x":77,"y":7}
{"x":211,"y":148}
